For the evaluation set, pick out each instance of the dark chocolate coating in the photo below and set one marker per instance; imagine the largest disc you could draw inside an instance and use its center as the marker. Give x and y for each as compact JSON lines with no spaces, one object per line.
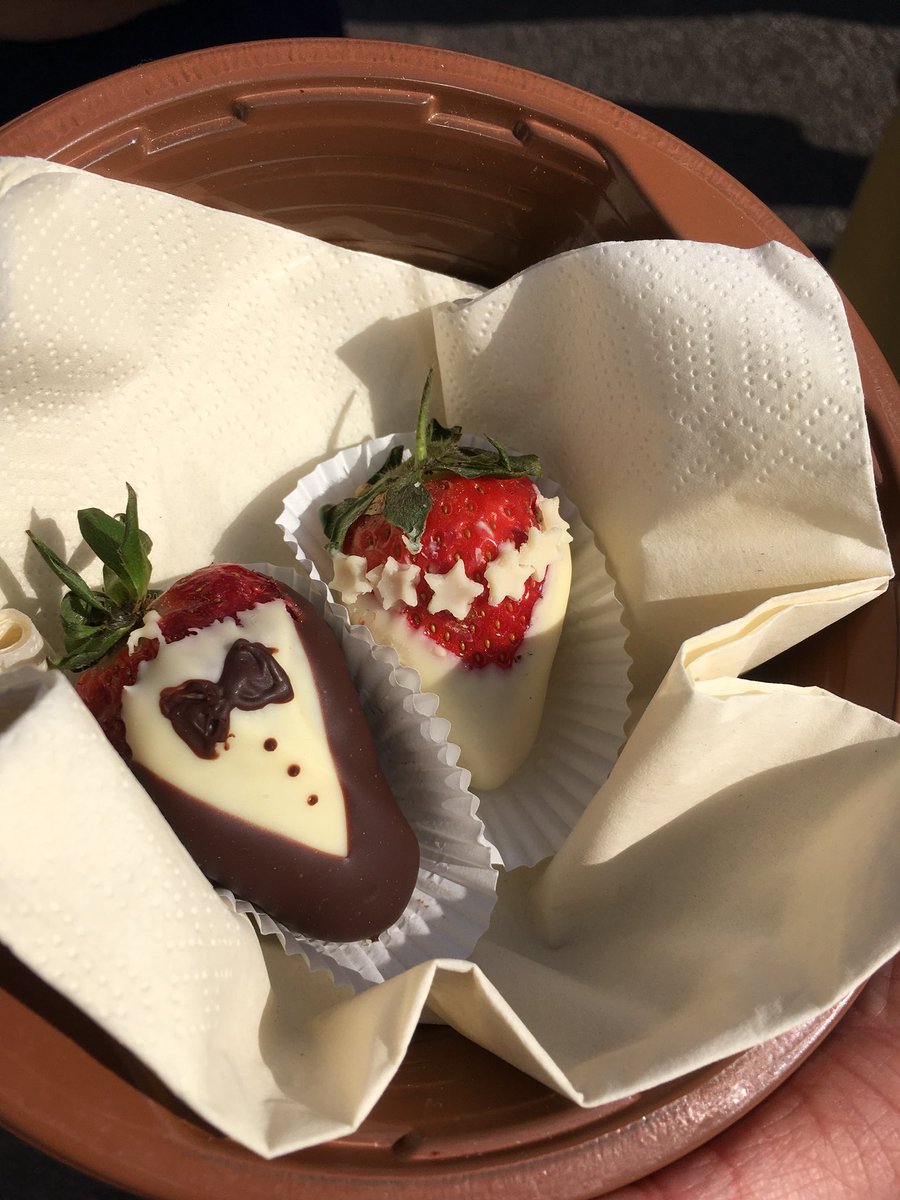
{"x":320,"y":895}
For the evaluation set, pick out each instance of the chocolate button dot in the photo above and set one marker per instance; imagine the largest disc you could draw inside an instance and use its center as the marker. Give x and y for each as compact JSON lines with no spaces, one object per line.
{"x":270,"y":744}
{"x":293,"y":770}
{"x":314,"y":799}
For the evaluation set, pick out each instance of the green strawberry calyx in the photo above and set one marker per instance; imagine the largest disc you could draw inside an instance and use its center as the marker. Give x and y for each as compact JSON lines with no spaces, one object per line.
{"x":400,"y":480}
{"x":96,"y":621}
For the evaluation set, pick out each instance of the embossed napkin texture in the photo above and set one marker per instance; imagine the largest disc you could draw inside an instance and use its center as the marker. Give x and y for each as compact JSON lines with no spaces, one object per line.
{"x":736,"y":873}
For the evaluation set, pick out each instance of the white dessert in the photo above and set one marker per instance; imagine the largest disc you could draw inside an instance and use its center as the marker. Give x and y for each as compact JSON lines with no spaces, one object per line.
{"x":20,"y":643}
{"x":246,"y":780}
{"x":494,"y":712}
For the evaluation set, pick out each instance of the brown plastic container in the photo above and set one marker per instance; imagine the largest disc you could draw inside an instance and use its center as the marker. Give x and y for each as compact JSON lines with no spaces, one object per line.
{"x":465,"y":166}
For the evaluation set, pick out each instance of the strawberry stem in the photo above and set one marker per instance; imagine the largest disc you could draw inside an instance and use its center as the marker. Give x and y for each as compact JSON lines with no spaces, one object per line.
{"x":436,"y":453}
{"x":420,"y":455}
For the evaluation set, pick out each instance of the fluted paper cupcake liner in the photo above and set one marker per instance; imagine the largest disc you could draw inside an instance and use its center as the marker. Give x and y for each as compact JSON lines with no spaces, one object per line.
{"x":582,"y":729}
{"x":454,"y":896}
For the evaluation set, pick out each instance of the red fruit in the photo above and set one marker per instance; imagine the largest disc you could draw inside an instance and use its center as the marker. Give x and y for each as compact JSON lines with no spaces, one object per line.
{"x":469,"y":519}
{"x":447,"y":503}
{"x":304,"y":824}
{"x":194,"y":602}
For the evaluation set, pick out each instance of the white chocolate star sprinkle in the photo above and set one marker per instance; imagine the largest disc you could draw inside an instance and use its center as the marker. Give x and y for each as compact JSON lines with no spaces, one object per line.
{"x":507,"y":575}
{"x":350,"y":576}
{"x":395,"y":581}
{"x":548,"y":507}
{"x":453,"y":592}
{"x":539,"y":550}
{"x":544,"y":546}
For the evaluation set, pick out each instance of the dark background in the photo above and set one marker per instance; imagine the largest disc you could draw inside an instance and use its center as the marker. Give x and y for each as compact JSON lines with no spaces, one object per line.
{"x":790,"y":98}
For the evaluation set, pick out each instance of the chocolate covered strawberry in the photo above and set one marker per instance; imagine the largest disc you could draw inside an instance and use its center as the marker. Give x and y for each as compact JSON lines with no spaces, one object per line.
{"x":451,"y":554}
{"x":230,"y":698}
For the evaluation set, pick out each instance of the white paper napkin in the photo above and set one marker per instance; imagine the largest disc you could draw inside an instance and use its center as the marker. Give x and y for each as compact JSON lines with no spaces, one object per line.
{"x":704,"y":406}
{"x":738,"y":870}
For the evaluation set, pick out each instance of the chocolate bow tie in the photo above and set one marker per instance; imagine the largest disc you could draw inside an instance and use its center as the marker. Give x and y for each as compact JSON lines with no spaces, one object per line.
{"x":200,"y":709}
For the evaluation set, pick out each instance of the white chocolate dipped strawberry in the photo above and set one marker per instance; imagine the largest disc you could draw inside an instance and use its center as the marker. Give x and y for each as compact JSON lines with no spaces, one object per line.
{"x":453,"y":557}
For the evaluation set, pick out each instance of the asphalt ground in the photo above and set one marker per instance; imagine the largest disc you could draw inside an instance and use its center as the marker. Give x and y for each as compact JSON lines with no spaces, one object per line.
{"x":790,"y":99}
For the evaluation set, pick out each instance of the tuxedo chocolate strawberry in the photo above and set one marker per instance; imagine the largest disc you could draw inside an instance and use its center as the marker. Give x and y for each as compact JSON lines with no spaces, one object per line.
{"x":452,"y":555}
{"x":230,"y":699}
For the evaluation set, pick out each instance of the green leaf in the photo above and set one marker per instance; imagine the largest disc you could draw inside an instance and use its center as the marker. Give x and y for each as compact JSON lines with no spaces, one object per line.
{"x":134,"y":553}
{"x":115,"y":589}
{"x":441,"y":440}
{"x":96,"y":622}
{"x":504,"y":458}
{"x":78,"y":620}
{"x":393,"y":460}
{"x":337,"y":518}
{"x":436,"y":451}
{"x":70,"y":578}
{"x":407,"y":506}
{"x":90,"y":650}
{"x":472,"y":462}
{"x":104,"y":535}
{"x":117,"y":543}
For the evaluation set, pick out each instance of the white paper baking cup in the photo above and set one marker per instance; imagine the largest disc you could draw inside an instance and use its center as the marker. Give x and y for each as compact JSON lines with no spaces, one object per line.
{"x":582,"y":730}
{"x":451,"y":905}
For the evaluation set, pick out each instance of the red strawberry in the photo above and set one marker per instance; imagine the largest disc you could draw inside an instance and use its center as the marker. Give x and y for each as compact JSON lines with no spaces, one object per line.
{"x":448,"y":504}
{"x":445,"y":555}
{"x":469,"y":520}
{"x":296,"y":817}
{"x":194,"y":602}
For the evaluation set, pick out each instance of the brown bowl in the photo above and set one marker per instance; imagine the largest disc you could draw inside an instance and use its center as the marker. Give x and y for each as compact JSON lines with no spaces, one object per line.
{"x":470,"y":167}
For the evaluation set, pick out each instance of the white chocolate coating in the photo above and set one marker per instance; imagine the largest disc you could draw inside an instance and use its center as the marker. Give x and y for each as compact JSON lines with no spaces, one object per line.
{"x":494,"y":714}
{"x":245,"y":780}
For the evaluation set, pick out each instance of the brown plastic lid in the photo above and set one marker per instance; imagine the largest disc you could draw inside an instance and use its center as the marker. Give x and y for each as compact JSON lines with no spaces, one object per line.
{"x":466,"y":166}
